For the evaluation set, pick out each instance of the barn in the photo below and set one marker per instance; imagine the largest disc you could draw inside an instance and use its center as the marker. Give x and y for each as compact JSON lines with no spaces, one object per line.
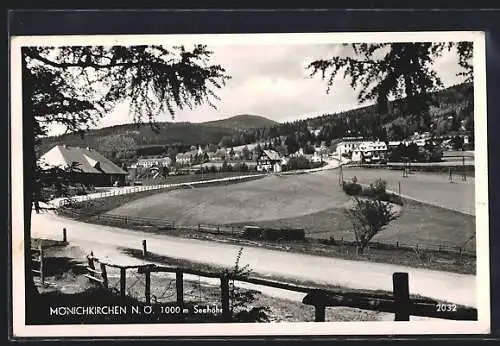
{"x":92,"y":167}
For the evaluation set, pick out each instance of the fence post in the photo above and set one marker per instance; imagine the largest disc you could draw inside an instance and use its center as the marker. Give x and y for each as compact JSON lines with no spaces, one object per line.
{"x":464,"y":175}
{"x":199,"y":227}
{"x":399,"y":188}
{"x":104,"y":275}
{"x":224,"y":287}
{"x":90,"y":262}
{"x":401,"y":294}
{"x":179,"y":286}
{"x":65,"y":238}
{"x":144,"y":249}
{"x":147,"y":285}
{"x":397,"y":244}
{"x":319,"y":313}
{"x":42,"y":276}
{"x":123,"y":281}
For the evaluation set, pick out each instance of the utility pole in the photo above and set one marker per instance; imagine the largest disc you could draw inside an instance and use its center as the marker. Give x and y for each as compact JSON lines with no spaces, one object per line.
{"x":341,"y":175}
{"x":464,"y":176}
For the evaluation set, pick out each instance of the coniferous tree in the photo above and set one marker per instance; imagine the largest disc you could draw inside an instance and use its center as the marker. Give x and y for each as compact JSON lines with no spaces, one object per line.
{"x":73,"y":87}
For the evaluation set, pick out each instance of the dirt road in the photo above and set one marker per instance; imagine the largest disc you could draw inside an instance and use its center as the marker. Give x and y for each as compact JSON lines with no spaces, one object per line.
{"x":104,"y":241}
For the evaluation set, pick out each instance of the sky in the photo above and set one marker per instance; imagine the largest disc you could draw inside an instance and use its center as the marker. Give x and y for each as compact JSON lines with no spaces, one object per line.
{"x":272,"y":81}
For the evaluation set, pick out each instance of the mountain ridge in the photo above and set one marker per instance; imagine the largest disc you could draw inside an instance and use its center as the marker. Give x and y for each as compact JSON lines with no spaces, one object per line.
{"x":453,"y":110}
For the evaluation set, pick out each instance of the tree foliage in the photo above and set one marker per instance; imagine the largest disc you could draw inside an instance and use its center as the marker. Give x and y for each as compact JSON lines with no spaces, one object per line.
{"x":368,"y":218}
{"x":75,"y":86}
{"x":384,"y":71}
{"x":117,"y":148}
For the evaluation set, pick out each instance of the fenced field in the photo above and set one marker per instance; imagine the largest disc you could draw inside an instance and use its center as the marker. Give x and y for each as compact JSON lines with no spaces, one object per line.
{"x":435,"y":189}
{"x":237,"y":232}
{"x":316,"y":203}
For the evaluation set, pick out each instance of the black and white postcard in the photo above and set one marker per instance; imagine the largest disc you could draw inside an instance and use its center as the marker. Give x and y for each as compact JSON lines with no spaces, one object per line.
{"x":249,"y":184}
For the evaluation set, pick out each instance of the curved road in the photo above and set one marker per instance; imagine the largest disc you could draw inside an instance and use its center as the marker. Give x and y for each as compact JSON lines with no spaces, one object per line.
{"x":104,"y":241}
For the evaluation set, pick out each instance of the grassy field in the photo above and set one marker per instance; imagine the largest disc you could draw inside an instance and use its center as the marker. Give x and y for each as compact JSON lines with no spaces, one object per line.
{"x":272,"y":197}
{"x":314,"y":202}
{"x":432,"y":188}
{"x":417,"y":224}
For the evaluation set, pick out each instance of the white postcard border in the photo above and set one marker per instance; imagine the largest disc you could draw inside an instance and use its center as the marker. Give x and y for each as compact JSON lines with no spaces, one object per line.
{"x":482,"y":326}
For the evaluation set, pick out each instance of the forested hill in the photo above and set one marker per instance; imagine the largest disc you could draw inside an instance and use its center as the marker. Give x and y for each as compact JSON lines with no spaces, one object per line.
{"x":168,"y":133}
{"x":243,"y":122}
{"x":452,"y":112}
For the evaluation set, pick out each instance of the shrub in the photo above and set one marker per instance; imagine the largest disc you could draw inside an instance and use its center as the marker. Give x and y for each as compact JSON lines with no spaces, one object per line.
{"x":240,"y":299}
{"x":369,"y":217}
{"x":283,"y":234}
{"x":273,"y":234}
{"x":377,"y":190}
{"x":252,"y":232}
{"x":352,"y":189}
{"x":298,"y":163}
{"x":393,"y":198}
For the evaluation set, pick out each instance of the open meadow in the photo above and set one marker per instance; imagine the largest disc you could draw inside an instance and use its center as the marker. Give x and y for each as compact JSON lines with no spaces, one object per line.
{"x":316,"y":203}
{"x":273,"y":197}
{"x":433,"y":188}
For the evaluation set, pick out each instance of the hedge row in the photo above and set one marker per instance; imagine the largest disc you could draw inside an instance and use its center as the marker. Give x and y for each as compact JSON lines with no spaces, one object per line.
{"x":376,"y":191}
{"x":257,"y":233}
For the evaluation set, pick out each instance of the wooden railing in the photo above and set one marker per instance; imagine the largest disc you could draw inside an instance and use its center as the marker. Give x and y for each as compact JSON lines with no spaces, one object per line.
{"x":398,"y":303}
{"x":37,"y":260}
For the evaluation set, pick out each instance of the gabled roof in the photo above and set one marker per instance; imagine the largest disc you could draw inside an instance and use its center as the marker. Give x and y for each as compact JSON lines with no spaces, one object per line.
{"x":90,"y":161}
{"x":272,"y":155}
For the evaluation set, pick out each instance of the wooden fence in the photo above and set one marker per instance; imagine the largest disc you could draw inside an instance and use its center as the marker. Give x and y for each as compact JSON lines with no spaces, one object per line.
{"x":237,"y":231}
{"x":37,"y":260}
{"x":446,"y":248}
{"x":398,"y":303}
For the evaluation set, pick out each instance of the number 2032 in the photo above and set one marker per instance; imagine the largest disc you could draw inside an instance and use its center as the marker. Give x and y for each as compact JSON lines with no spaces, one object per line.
{"x":446,"y":307}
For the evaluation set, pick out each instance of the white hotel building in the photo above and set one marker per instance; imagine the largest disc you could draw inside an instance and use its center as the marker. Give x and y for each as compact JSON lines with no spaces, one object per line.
{"x":359,"y":150}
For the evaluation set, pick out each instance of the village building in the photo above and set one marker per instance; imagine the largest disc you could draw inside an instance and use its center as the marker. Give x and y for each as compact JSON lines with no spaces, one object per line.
{"x":317,"y":157}
{"x":184,"y":158}
{"x":298,"y":153}
{"x":269,"y":161}
{"x":347,"y":145}
{"x":91,"y":168}
{"x":359,"y":150}
{"x":153,"y":162}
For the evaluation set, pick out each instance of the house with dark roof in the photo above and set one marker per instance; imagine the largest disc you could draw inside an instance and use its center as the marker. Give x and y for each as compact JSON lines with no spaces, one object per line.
{"x":269,"y":161}
{"x":91,"y":168}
